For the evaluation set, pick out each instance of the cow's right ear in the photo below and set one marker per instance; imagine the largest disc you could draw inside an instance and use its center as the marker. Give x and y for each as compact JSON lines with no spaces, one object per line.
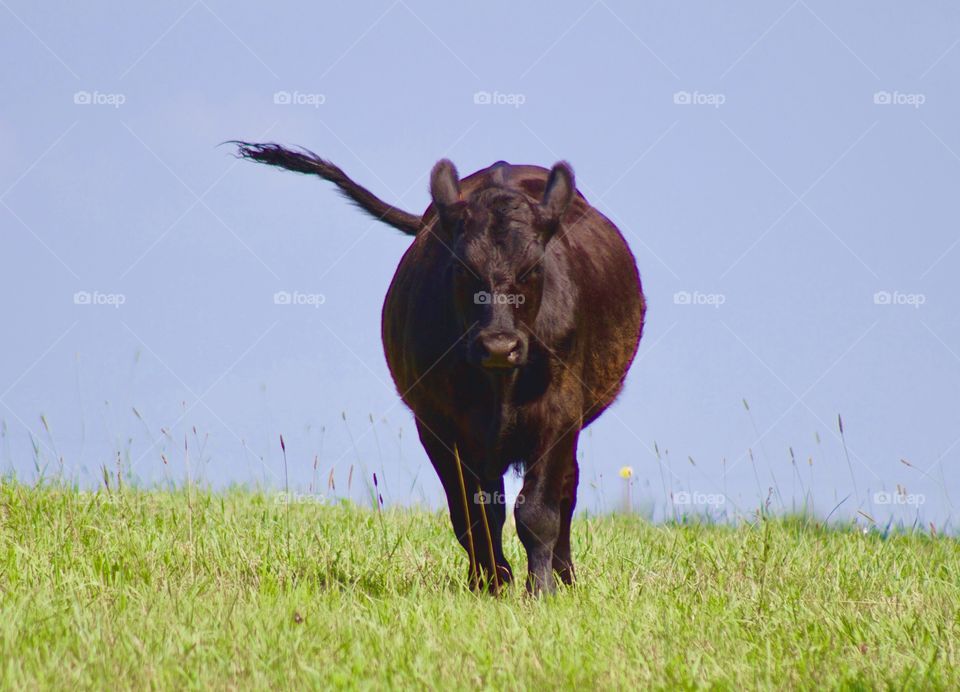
{"x":445,"y":191}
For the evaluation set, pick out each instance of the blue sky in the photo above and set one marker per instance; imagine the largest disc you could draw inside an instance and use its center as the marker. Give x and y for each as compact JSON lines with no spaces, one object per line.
{"x":785,"y":173}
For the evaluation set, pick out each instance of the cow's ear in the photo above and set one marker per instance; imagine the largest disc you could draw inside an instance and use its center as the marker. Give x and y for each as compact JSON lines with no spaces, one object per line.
{"x":558,"y":193}
{"x":445,"y":191}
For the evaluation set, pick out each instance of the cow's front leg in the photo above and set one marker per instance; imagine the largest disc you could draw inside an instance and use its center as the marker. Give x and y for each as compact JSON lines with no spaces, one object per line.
{"x":477,"y":512}
{"x":541,"y":508}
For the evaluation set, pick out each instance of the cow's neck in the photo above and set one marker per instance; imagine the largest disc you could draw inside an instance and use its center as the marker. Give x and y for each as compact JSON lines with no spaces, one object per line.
{"x":501,"y":415}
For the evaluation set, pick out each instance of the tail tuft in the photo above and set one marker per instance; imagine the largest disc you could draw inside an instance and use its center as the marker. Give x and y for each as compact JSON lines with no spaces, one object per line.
{"x":305,"y":161}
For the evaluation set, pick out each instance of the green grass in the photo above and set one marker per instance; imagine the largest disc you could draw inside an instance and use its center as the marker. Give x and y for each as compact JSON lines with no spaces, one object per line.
{"x":180,"y":589}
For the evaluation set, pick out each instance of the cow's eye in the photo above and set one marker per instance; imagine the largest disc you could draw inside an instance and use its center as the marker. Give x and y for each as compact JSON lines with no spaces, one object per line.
{"x":531,"y":274}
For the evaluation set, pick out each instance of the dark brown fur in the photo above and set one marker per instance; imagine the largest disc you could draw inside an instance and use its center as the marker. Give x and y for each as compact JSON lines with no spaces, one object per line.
{"x":504,"y":383}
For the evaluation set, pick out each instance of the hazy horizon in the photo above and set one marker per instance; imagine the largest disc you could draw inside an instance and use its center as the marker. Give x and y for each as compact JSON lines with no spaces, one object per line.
{"x":785,"y":174}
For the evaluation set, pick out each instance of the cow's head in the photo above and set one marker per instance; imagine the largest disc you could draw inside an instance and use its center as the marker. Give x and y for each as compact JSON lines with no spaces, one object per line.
{"x":497,"y":240}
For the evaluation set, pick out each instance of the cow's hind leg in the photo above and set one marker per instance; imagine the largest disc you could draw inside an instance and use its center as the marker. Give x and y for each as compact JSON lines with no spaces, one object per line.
{"x":562,"y":559}
{"x":542,"y":512}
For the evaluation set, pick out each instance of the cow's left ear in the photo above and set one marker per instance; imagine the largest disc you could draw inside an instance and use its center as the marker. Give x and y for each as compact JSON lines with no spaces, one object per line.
{"x":558,"y":193}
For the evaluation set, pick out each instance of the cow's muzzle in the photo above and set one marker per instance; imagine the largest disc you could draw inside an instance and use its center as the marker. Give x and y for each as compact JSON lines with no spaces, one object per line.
{"x":500,"y":350}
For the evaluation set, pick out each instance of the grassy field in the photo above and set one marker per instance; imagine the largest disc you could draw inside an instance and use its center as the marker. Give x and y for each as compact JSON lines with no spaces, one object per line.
{"x":236,"y":590}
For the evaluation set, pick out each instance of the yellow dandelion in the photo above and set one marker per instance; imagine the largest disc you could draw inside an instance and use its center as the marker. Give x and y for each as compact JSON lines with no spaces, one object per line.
{"x":626,"y":472}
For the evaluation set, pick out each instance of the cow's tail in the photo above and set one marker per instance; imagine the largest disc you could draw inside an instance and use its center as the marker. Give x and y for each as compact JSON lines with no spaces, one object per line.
{"x":305,"y":161}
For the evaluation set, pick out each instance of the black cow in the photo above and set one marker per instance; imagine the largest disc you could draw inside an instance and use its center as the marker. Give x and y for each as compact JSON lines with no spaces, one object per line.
{"x":509,"y":326}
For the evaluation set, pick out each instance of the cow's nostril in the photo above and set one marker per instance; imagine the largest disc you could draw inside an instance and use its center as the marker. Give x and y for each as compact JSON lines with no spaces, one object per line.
{"x":501,"y":351}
